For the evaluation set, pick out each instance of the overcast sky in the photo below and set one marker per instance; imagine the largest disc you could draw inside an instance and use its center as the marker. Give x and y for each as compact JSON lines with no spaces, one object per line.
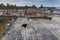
{"x":51,"y":3}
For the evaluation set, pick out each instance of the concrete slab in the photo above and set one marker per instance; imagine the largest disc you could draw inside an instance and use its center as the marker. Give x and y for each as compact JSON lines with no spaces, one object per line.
{"x":36,"y":30}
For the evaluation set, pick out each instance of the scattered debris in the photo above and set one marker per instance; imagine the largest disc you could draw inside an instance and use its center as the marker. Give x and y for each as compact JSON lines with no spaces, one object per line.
{"x":41,"y":17}
{"x":4,"y":33}
{"x":24,"y":25}
{"x":46,"y":17}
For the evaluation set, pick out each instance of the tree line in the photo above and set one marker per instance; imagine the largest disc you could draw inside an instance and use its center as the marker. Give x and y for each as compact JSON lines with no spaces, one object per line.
{"x":10,"y":6}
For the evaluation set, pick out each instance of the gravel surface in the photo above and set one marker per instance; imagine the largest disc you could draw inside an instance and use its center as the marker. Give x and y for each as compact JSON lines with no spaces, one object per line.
{"x":35,"y":30}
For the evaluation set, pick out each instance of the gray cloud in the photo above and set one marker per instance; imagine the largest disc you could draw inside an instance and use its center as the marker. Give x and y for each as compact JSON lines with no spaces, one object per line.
{"x":27,"y":0}
{"x":32,"y":2}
